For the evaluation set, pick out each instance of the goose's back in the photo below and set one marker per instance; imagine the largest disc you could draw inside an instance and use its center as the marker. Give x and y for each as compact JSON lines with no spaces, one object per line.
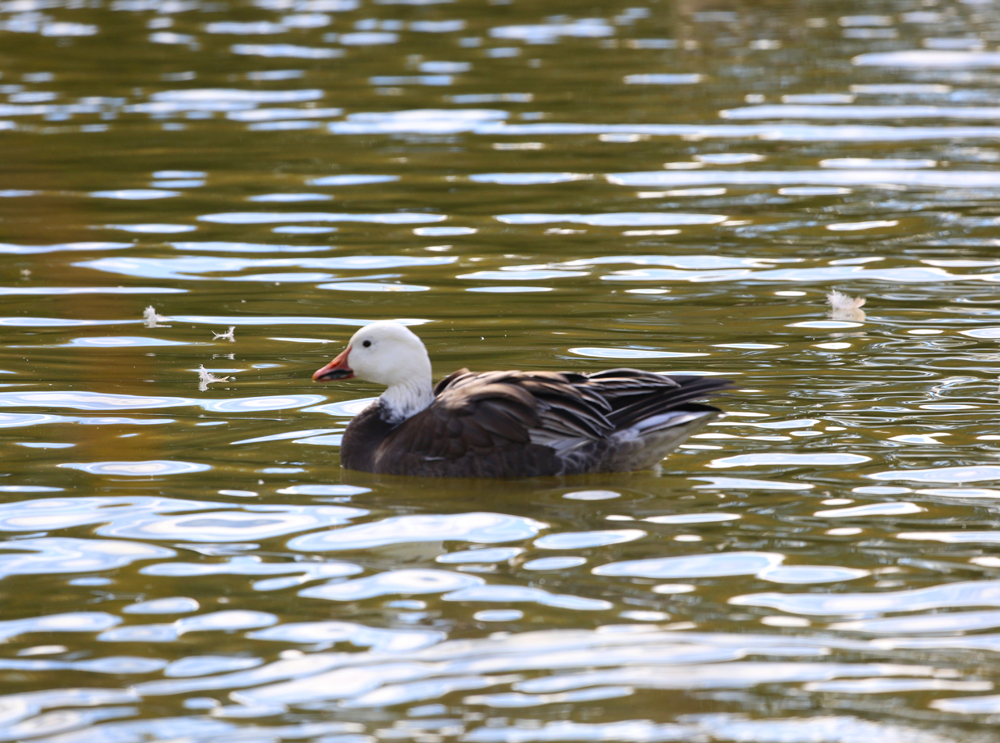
{"x":524,"y":424}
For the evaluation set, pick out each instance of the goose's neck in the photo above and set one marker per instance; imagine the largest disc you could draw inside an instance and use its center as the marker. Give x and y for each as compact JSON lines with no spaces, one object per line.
{"x":405,"y":399}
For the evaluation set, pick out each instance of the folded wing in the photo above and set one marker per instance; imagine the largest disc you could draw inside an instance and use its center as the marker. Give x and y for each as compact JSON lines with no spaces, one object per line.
{"x":511,"y":423}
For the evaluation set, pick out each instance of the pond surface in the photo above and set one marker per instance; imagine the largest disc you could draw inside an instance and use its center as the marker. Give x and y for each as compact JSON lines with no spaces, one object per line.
{"x":537,"y":185}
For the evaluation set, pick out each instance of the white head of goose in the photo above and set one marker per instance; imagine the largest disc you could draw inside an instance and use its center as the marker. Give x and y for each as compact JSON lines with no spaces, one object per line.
{"x":509,"y":423}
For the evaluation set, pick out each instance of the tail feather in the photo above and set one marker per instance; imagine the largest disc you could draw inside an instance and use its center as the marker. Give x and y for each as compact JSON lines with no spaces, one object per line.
{"x":639,"y":450}
{"x":661,"y":401}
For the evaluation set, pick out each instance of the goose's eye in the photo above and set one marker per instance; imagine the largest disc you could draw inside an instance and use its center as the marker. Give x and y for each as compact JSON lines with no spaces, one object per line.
{"x":366,"y":344}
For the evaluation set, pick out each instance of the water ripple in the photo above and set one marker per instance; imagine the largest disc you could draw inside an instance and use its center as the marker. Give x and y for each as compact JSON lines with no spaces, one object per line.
{"x":42,"y":291}
{"x":981,"y":593}
{"x":121,"y":341}
{"x":951,"y":475}
{"x":924,"y":624}
{"x":285,"y":217}
{"x":371,"y":286}
{"x":692,"y":518}
{"x":352,"y":180}
{"x":88,"y":400}
{"x":693,"y":566}
{"x":898,"y":508}
{"x":119,"y":664}
{"x":476,"y":527}
{"x":59,"y":513}
{"x":631,"y":353}
{"x":377,"y":639}
{"x":795,"y":460}
{"x":24,"y":713}
{"x":712,"y":727}
{"x":772,"y":131}
{"x":287,"y":50}
{"x":153,"y":468}
{"x":289,"y":574}
{"x":616,"y":219}
{"x":489,"y":555}
{"x":16,"y":420}
{"x":95,"y":247}
{"x":393,"y":582}
{"x":323,"y":490}
{"x":952,"y":537}
{"x":104,"y":402}
{"x":205,"y":665}
{"x":254,"y":404}
{"x":585,"y":539}
{"x":217,"y":621}
{"x":198,"y":97}
{"x":243,"y":247}
{"x":196,"y":267}
{"x":520,"y":274}
{"x":81,"y":621}
{"x":808,"y":574}
{"x":924,"y":59}
{"x":250,"y":523}
{"x":554,"y":563}
{"x":527,"y":179}
{"x":848,"y":112}
{"x":546,"y":33}
{"x":171,"y":605}
{"x":859,"y":177}
{"x":526,"y":594}
{"x":55,"y":555}
{"x":418,"y":121}
{"x":151,"y":518}
{"x":136,"y":194}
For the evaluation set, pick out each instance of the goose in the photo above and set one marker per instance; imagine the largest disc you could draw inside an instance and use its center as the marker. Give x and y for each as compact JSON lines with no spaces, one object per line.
{"x":508,"y":423}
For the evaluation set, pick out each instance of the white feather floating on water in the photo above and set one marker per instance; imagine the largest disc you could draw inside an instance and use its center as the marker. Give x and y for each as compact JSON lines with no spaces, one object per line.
{"x":840,"y":301}
{"x":205,"y":378}
{"x":152,"y":319}
{"x":843,"y":307}
{"x":229,"y":335}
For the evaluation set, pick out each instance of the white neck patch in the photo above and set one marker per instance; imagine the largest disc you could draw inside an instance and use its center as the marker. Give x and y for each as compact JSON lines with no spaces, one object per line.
{"x":402,"y":401}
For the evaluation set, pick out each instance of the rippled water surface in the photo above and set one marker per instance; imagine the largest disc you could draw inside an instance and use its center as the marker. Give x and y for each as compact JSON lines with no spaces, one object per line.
{"x":201,"y":201}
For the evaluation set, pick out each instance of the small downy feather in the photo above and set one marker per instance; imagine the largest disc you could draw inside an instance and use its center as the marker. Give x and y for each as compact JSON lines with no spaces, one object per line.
{"x":843,"y":307}
{"x":153,"y":320}
{"x":205,"y":378}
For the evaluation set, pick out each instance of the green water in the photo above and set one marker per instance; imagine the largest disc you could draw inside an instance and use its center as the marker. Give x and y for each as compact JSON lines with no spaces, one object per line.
{"x":672,"y":187}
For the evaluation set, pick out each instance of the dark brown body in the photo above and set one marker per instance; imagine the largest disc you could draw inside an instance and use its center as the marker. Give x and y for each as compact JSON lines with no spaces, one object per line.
{"x":527,"y":424}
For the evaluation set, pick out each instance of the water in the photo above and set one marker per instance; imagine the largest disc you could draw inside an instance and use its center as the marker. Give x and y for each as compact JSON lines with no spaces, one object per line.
{"x":674,"y":187}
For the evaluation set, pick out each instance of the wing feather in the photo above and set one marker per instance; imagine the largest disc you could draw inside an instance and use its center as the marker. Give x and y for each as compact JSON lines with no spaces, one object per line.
{"x":506,"y":423}
{"x":688,"y":388}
